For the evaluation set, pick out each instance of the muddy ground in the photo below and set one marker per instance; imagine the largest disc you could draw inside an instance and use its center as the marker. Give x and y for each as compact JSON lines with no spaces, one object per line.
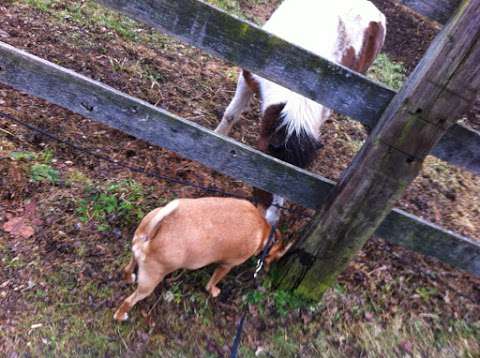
{"x":59,"y":276}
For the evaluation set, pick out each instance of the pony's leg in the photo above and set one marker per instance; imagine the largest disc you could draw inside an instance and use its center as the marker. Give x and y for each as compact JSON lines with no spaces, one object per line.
{"x":236,"y":107}
{"x":272,"y":214}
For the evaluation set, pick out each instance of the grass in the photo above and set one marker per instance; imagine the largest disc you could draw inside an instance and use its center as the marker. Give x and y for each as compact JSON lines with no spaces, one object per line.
{"x":42,"y":5}
{"x":119,"y":202}
{"x":230,"y":6}
{"x":89,"y":14}
{"x":233,"y":6}
{"x":389,"y":72}
{"x":40,"y":168}
{"x":44,"y":173}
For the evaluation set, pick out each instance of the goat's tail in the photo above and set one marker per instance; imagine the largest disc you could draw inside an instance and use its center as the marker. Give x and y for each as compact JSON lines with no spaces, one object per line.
{"x":161,"y":214}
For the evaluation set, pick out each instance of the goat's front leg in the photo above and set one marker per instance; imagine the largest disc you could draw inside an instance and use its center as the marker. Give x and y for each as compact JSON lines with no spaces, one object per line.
{"x":219,"y":273}
{"x":236,"y":107}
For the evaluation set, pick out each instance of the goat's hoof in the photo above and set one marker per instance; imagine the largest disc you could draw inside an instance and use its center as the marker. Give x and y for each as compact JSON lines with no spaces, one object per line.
{"x":214,"y":291}
{"x":129,"y":277}
{"x":132,"y":278}
{"x":119,"y":316}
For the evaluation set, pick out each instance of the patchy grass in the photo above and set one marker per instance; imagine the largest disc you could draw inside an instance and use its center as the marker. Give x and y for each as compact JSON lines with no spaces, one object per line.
{"x":71,"y":302}
{"x":75,"y":176}
{"x":90,"y":14}
{"x":40,"y":169}
{"x":44,"y":173}
{"x":116,"y":202}
{"x":234,"y":7}
{"x":27,"y":156}
{"x":42,"y":5}
{"x":389,"y":72}
{"x":230,"y":6}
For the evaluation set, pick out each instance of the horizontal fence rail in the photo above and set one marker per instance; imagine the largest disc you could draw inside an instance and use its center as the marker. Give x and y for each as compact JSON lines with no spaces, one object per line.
{"x":438,"y":10}
{"x":416,"y":234}
{"x":250,"y":47}
{"x":97,"y":101}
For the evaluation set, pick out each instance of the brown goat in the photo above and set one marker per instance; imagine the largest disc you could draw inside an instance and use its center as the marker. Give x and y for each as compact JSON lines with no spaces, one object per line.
{"x":193,"y":233}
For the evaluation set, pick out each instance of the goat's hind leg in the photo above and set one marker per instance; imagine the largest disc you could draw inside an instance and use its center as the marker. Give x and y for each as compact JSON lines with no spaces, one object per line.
{"x":128,"y":271}
{"x":148,"y":278}
{"x":236,"y":107}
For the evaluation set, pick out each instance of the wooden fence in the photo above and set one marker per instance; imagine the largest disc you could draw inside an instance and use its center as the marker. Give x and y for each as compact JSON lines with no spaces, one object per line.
{"x":250,"y":47}
{"x":438,"y":10}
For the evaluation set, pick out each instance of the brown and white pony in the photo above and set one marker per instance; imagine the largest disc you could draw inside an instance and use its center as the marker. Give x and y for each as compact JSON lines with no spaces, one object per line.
{"x":348,"y":32}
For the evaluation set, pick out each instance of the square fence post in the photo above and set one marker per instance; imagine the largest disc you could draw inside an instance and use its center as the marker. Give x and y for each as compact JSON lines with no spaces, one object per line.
{"x":441,"y":89}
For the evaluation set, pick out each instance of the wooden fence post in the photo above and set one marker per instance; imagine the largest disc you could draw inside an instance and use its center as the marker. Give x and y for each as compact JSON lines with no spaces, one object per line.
{"x":441,"y":89}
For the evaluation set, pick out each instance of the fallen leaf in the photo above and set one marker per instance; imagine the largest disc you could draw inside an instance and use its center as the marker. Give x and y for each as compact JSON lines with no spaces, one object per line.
{"x":18,"y":227}
{"x":406,"y":346}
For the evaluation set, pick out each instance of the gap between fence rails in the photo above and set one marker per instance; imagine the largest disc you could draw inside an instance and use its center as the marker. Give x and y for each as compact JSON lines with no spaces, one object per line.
{"x":137,"y":170}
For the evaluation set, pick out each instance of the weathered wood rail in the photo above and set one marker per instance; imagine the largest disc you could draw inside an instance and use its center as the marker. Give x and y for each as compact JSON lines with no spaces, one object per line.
{"x":330,"y":84}
{"x":97,"y":101}
{"x":438,"y":10}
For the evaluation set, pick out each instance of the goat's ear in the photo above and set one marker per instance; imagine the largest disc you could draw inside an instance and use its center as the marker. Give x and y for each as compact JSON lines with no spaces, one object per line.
{"x":263,"y":199}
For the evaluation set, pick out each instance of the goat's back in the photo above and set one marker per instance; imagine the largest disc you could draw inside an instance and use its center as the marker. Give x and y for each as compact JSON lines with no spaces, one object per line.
{"x":206,"y":230}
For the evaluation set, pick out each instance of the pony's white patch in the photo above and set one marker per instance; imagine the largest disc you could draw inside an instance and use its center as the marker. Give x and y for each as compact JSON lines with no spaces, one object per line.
{"x":313,"y":25}
{"x":272,"y":215}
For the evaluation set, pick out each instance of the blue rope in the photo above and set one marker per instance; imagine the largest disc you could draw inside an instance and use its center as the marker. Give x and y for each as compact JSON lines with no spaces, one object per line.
{"x":261,"y":260}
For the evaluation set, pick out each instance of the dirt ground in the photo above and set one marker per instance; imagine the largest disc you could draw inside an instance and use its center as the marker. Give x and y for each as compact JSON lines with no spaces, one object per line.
{"x":66,"y":218}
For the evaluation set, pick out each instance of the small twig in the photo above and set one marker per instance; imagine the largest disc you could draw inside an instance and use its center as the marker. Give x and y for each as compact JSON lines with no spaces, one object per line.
{"x":154,"y":305}
{"x":121,"y":338}
{"x":7,"y":132}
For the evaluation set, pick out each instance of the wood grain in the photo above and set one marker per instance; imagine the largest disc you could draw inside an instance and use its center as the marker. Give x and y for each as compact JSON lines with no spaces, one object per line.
{"x":438,"y":10}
